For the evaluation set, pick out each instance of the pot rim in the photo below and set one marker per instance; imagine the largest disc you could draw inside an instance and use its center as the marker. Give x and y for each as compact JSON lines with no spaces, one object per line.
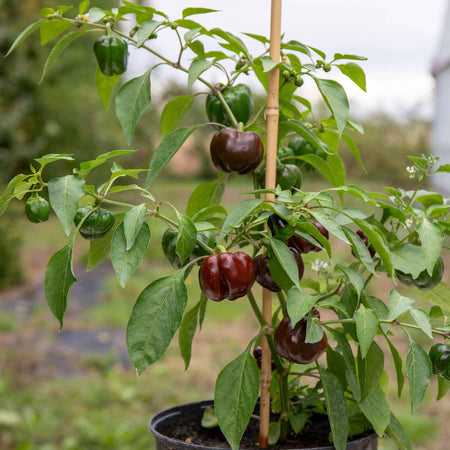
{"x":174,"y":411}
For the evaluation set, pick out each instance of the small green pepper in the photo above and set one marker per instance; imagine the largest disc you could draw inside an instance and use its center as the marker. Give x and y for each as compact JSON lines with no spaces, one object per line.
{"x":169,"y":244}
{"x":440,"y":357}
{"x":240,"y":101}
{"x":97,"y":224}
{"x":288,"y":176}
{"x":37,"y":209}
{"x":112,"y":54}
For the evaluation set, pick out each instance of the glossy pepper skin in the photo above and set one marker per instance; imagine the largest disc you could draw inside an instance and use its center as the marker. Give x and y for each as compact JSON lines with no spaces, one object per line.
{"x":440,"y":357}
{"x":37,"y":209}
{"x":227,"y":275}
{"x":169,"y":244}
{"x":96,"y":224}
{"x":234,"y":151}
{"x":302,"y":245}
{"x":263,"y":276}
{"x":301,"y":147}
{"x":240,"y":101}
{"x":290,"y":342}
{"x":257,"y":354}
{"x":424,"y":281}
{"x":112,"y":54}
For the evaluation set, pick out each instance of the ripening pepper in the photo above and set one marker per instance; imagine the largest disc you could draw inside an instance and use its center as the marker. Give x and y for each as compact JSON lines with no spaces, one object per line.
{"x":227,"y":275}
{"x":240,"y":100}
{"x":263,"y":275}
{"x":424,"y":281}
{"x":302,"y":245}
{"x":290,"y":342}
{"x":112,"y":54}
{"x":235,"y":151}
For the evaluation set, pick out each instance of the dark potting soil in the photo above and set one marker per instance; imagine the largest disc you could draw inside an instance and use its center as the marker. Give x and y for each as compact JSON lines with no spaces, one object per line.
{"x":315,"y":434}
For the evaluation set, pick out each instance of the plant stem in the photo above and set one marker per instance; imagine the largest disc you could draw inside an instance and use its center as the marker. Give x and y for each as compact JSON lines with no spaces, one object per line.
{"x":283,"y":303}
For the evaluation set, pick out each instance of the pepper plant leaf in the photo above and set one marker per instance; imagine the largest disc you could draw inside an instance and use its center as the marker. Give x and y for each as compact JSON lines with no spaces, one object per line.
{"x":166,"y":150}
{"x":419,"y":371}
{"x":132,"y":100}
{"x":64,"y":194}
{"x":205,"y":195}
{"x":237,"y":389}
{"x":59,"y":279}
{"x":155,"y":318}
{"x":125,"y":260}
{"x":174,"y":112}
{"x":132,"y":223}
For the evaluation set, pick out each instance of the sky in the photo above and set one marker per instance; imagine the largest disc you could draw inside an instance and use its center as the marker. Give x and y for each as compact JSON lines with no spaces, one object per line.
{"x":399,"y":37}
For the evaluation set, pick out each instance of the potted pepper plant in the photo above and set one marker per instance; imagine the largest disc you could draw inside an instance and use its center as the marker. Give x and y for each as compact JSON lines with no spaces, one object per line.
{"x":325,"y":338}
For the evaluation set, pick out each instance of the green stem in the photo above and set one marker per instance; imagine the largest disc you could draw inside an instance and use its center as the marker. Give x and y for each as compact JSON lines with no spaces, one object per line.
{"x":283,"y":303}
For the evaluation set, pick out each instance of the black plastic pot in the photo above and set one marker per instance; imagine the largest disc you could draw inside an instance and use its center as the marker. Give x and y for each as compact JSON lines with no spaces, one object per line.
{"x":161,"y":422}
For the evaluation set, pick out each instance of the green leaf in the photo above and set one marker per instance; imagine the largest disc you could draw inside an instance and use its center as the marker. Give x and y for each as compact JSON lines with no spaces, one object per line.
{"x":398,"y":366}
{"x":370,"y":369}
{"x":355,"y":73}
{"x":100,"y":248}
{"x":437,"y":296}
{"x":306,"y":134}
{"x":274,"y":432}
{"x":187,"y":237}
{"x":444,"y":168}
{"x":205,"y":195}
{"x":299,"y":304}
{"x":145,"y":30}
{"x":105,"y":87}
{"x":132,"y":100}
{"x":376,"y":409}
{"x":52,"y":28}
{"x":166,"y":150}
{"x":443,"y":388}
{"x":314,"y":332}
{"x":24,"y":34}
{"x":194,"y":11}
{"x":419,"y":371}
{"x":187,"y":332}
{"x":87,"y":166}
{"x":285,"y":259}
{"x":132,"y":222}
{"x":125,"y":261}
{"x":268,"y":63}
{"x":423,"y":320}
{"x":398,"y":304}
{"x":366,"y":328}
{"x":336,"y":408}
{"x":52,"y":157}
{"x":330,"y":224}
{"x":396,"y":431}
{"x":174,"y":112}
{"x":377,"y":241}
{"x":83,"y":6}
{"x":155,"y":318}
{"x":59,"y":279}
{"x":354,"y":278}
{"x":96,"y":14}
{"x":64,"y":194}
{"x":336,"y":99}
{"x":408,"y":259}
{"x":59,"y":47}
{"x":239,"y":213}
{"x":197,"y":67}
{"x":237,"y":389}
{"x":431,"y":237}
{"x":338,"y":56}
{"x":354,"y":149}
{"x":360,"y":250}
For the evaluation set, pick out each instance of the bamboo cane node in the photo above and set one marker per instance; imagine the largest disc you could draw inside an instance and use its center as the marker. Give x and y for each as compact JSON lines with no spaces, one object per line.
{"x":271,"y":111}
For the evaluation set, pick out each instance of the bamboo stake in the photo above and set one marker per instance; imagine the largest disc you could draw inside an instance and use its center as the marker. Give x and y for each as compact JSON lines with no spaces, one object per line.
{"x":272,"y":115}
